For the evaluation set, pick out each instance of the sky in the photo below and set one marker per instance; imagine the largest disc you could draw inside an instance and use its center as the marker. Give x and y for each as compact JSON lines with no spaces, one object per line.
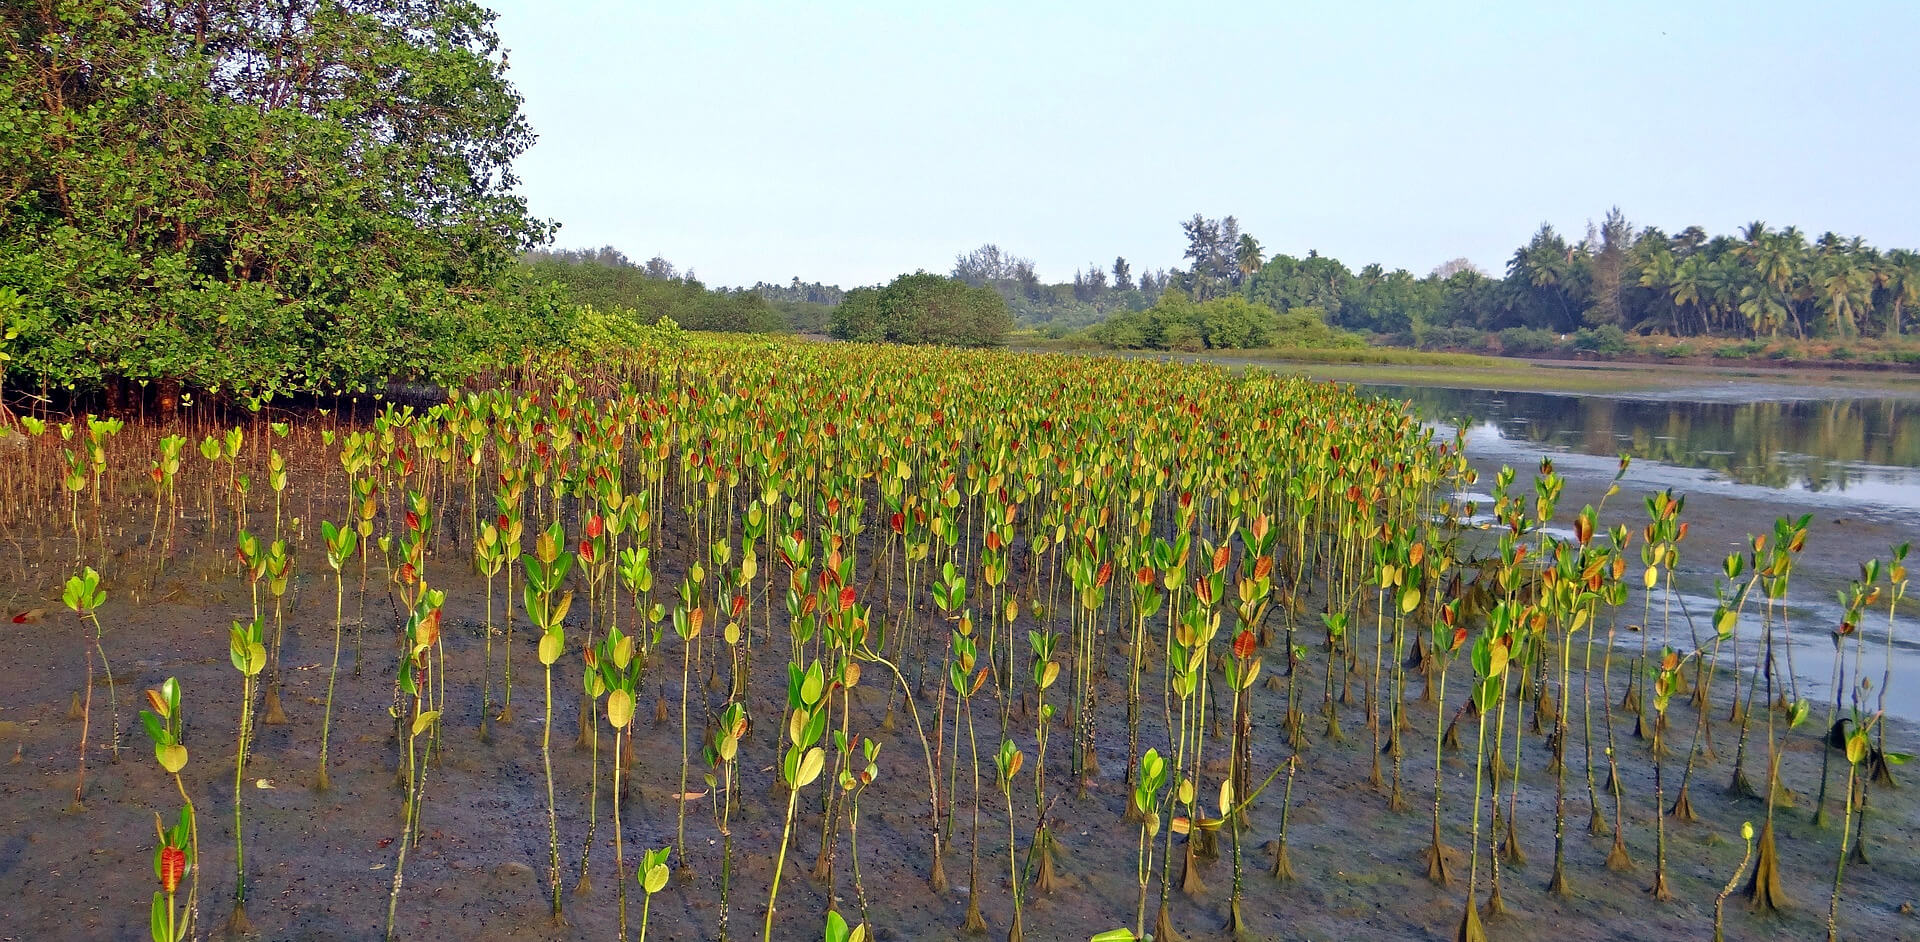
{"x":849,"y":143}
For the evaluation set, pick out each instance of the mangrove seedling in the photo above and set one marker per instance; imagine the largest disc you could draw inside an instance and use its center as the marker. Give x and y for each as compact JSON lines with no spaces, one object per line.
{"x":165,"y":724}
{"x":1720,"y":901}
{"x":247,"y":649}
{"x":340,"y":543}
{"x":84,"y":596}
{"x":653,"y":875}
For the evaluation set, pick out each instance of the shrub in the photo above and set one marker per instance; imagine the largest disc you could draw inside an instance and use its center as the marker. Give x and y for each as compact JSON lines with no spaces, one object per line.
{"x":1606,"y":339}
{"x":1525,"y":340}
{"x":1744,"y":350}
{"x":1452,"y":338}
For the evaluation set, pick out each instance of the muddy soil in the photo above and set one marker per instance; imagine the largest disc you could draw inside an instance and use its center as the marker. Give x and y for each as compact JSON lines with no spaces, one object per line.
{"x":320,"y":865}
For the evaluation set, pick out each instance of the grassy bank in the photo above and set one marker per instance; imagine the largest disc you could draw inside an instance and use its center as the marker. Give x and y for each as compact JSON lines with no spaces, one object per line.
{"x":1399,"y":366}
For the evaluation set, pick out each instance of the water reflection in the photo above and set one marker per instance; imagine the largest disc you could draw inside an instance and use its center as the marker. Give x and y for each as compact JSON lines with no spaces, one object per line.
{"x":1869,"y":448}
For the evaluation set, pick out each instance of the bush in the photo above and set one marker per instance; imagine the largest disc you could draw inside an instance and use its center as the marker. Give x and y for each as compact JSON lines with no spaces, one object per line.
{"x":1228,"y":323}
{"x":1303,"y":328}
{"x":1452,"y":338}
{"x":1526,"y":340}
{"x":924,"y":309}
{"x":1744,"y":350}
{"x":1606,"y":339}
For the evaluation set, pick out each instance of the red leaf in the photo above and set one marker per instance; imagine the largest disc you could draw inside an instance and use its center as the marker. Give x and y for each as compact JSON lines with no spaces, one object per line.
{"x":173,"y":865}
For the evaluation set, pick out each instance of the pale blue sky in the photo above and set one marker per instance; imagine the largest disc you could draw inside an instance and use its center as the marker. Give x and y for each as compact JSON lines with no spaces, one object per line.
{"x":850,"y":142}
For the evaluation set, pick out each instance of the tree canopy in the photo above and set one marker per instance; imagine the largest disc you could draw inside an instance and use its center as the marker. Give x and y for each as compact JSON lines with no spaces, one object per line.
{"x":1229,"y":322}
{"x":1761,"y":283}
{"x":260,"y":197}
{"x":609,"y":281}
{"x":923,"y":308}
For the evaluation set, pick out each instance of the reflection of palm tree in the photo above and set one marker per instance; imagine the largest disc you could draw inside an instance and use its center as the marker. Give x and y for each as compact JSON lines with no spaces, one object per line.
{"x":1818,"y":446}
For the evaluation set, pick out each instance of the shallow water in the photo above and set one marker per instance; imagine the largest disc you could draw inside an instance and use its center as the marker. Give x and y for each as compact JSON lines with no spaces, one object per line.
{"x":1853,"y":464}
{"x":1864,"y":451}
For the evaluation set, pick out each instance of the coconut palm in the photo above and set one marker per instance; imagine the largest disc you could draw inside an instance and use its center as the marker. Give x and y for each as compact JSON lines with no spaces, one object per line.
{"x":1247,"y":257}
{"x":1844,"y":292}
{"x":1764,"y":307}
{"x":1901,"y":282}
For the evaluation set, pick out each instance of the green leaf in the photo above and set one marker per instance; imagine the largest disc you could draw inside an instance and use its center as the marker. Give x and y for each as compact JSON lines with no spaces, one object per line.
{"x":810,"y":767}
{"x":173,"y":757}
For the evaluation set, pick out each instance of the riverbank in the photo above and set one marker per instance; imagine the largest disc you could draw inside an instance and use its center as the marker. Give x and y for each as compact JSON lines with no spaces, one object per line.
{"x":1512,"y":374}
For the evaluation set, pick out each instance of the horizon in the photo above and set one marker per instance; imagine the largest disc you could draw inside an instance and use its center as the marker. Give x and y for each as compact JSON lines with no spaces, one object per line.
{"x":850,"y":145}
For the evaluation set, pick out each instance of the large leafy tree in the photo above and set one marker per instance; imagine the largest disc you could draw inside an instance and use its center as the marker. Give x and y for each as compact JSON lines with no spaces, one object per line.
{"x":260,"y":197}
{"x":923,"y":308}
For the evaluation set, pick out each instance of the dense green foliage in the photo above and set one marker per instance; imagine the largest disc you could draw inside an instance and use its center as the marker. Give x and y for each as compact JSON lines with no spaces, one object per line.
{"x":1588,"y":296}
{"x":1229,"y":322}
{"x":608,"y":280}
{"x":1760,"y":283}
{"x":260,"y":198}
{"x":922,"y":308}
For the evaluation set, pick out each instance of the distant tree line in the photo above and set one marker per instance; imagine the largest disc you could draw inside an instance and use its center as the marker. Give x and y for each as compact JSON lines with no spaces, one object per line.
{"x":1095,"y":293}
{"x":1760,"y":283}
{"x":609,"y":281}
{"x":1227,"y":322}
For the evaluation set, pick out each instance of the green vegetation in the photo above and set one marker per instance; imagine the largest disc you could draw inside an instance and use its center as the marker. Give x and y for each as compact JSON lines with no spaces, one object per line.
{"x":1617,"y":292}
{"x":852,"y":549}
{"x":1096,"y":292}
{"x":1232,"y":322}
{"x":232,"y":199}
{"x":924,"y":309}
{"x":609,"y":281}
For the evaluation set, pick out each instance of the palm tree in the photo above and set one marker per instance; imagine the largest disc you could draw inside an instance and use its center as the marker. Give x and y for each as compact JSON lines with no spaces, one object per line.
{"x":1721,"y":288}
{"x":1544,"y":264}
{"x":1902,"y":285}
{"x":1688,"y":287}
{"x":1246,"y":256}
{"x":1845,"y":292}
{"x":1690,"y":239}
{"x":1764,"y":308}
